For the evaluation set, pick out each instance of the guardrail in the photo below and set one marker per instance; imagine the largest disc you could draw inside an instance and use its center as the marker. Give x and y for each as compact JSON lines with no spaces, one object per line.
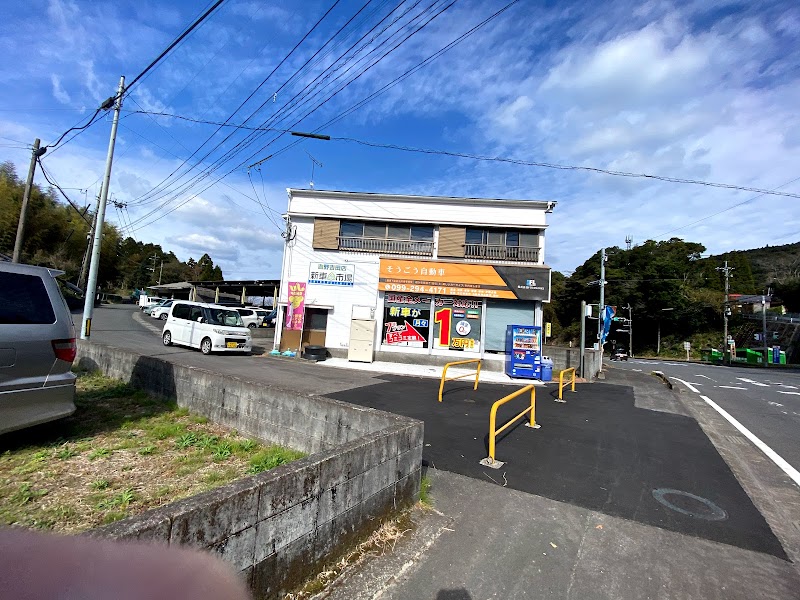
{"x":460,"y":362}
{"x":561,"y":383}
{"x":490,"y":461}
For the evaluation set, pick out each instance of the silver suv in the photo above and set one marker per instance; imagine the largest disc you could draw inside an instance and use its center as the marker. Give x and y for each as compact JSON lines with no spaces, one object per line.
{"x":37,"y":348}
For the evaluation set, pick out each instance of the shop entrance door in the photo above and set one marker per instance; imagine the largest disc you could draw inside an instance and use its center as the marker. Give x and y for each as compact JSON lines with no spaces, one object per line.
{"x":315,"y":325}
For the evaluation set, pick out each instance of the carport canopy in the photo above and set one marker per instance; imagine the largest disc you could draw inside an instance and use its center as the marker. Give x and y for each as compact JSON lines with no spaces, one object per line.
{"x":240,"y":289}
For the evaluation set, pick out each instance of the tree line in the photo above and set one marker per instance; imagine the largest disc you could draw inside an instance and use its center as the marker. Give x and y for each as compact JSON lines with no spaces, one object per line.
{"x":673,"y":288}
{"x":56,"y":235}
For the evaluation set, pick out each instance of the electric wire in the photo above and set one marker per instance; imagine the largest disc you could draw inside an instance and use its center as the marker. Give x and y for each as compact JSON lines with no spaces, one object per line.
{"x":174,"y":43}
{"x":564,"y":167}
{"x":140,"y":224}
{"x":52,"y":182}
{"x":242,"y":104}
{"x":358,"y":75}
{"x":248,"y":140}
{"x":402,"y":77}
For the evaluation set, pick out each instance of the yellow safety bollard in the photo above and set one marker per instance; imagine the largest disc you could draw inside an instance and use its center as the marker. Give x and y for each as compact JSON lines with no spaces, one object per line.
{"x":561,"y":383}
{"x":460,"y":362}
{"x":490,"y":461}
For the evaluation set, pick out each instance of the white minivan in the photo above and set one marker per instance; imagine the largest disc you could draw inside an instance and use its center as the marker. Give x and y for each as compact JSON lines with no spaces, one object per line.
{"x":209,"y":327}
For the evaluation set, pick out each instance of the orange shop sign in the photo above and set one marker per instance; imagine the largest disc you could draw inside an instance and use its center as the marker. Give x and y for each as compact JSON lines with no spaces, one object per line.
{"x":462,"y":279}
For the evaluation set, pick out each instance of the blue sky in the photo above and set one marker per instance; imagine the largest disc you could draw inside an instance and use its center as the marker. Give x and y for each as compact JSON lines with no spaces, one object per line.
{"x":676,"y":89}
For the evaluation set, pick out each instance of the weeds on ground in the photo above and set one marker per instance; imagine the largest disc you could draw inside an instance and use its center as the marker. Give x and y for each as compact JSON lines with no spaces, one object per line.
{"x":121,"y":453}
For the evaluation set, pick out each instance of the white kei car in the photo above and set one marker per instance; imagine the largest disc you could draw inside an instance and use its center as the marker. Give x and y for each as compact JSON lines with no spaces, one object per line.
{"x":161,"y":311}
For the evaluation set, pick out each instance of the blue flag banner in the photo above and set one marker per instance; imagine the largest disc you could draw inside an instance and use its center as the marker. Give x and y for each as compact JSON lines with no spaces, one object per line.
{"x":610,"y":311}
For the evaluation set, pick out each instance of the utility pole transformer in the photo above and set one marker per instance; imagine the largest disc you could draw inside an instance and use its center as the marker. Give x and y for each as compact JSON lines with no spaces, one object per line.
{"x":23,"y":211}
{"x":91,"y":288}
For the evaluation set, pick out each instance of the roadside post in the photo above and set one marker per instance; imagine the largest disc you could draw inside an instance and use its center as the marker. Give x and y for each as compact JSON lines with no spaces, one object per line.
{"x":687,"y":346}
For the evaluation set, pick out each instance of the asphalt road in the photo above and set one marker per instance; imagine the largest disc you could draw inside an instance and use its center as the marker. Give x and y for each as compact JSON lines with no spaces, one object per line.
{"x":124,"y":326}
{"x":766,"y":402}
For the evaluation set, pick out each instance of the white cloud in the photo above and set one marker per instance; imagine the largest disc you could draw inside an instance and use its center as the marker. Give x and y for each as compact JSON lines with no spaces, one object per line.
{"x":58,"y":92}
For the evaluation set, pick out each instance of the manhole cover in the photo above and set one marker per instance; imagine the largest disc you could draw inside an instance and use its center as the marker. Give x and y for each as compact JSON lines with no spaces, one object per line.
{"x":689,"y":504}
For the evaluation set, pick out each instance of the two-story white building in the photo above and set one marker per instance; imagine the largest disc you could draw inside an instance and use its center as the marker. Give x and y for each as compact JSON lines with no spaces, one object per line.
{"x":365,"y":273}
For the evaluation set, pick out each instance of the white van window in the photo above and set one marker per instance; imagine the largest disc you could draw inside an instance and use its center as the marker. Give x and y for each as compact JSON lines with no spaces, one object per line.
{"x":180,"y":311}
{"x":223,"y":316}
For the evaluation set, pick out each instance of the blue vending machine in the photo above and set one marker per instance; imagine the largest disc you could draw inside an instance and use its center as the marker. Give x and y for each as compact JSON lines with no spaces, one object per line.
{"x":524,"y":351}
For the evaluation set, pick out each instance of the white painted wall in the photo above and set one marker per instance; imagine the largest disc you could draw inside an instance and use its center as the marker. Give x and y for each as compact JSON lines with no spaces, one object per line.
{"x":300,"y":254}
{"x":447,"y":211}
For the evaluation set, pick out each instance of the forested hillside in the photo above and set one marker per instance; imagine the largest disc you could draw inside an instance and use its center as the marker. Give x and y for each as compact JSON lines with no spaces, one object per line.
{"x":56,"y":235}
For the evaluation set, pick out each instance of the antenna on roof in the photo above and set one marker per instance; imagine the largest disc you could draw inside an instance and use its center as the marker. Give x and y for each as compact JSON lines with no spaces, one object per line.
{"x":314,"y":163}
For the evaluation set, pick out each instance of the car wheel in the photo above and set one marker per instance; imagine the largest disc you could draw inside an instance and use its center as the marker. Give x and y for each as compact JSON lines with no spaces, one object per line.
{"x":167,"y":338}
{"x":252,"y":326}
{"x":205,"y":346}
{"x":163,"y":316}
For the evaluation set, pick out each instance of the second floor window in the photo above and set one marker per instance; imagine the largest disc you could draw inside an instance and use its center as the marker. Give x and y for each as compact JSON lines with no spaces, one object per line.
{"x":394,"y":238}
{"x":386,"y":231}
{"x":500,"y":237}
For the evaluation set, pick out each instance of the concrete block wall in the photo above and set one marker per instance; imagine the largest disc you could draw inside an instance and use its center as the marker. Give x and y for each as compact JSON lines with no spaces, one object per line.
{"x":279,"y":527}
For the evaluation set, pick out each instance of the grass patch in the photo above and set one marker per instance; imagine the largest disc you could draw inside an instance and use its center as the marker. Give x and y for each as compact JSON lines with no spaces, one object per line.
{"x":425,"y":492}
{"x":272,"y":457}
{"x":121,"y":453}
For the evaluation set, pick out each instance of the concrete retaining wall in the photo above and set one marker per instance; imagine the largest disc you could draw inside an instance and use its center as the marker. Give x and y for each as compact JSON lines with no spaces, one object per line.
{"x":279,"y":527}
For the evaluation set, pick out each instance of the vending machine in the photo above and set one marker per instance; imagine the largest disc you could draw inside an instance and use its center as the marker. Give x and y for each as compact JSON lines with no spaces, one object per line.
{"x":524,"y":351}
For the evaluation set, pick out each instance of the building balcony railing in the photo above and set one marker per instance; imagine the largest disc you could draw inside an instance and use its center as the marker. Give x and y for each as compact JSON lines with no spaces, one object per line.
{"x":498,"y":252}
{"x":386,"y":246}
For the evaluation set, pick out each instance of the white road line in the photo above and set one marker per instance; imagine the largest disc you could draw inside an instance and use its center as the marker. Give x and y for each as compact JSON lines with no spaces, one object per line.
{"x":778,"y":404}
{"x":792,"y":393}
{"x":758,"y":383}
{"x":794,"y":387}
{"x":637,"y":370}
{"x":689,"y":385}
{"x":731,"y":387}
{"x":703,"y":376}
{"x":771,"y":454}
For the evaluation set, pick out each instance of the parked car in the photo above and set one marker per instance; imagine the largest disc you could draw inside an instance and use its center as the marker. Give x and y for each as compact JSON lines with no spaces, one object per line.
{"x":209,"y":327}
{"x":620,"y":353}
{"x":266,"y":317}
{"x":37,"y":348}
{"x":161,"y":310}
{"x":249,"y":316}
{"x":148,"y":302}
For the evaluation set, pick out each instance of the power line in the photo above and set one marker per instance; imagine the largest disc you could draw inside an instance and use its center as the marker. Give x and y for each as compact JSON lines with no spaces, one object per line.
{"x":307,"y":114}
{"x":58,"y":187}
{"x":725,"y":210}
{"x":562,"y":167}
{"x":404,"y":76}
{"x":174,"y":43}
{"x":238,"y":108}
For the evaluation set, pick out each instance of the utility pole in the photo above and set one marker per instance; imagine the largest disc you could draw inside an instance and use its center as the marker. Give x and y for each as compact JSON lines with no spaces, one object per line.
{"x":583,"y":339}
{"x":726,"y":270}
{"x":91,"y":288}
{"x":764,"y":329}
{"x":630,"y":329}
{"x":161,"y":271}
{"x":23,"y":211}
{"x":602,"y":307}
{"x":85,"y":262}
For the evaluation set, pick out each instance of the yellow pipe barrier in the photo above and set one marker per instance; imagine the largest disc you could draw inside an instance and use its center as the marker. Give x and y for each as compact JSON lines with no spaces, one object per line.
{"x":460,"y":362}
{"x":561,"y":383}
{"x":493,"y":431}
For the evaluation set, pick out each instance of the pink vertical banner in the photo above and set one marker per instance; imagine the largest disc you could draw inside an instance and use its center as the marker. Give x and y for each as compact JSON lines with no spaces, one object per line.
{"x":295,"y":308}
